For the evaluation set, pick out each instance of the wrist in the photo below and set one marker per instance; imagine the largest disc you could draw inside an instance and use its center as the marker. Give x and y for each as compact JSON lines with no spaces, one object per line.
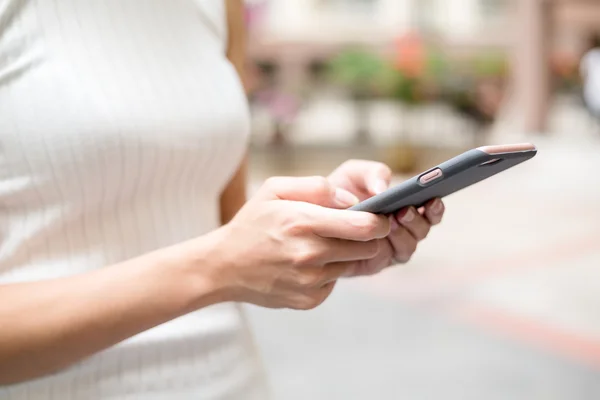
{"x":203,"y":269}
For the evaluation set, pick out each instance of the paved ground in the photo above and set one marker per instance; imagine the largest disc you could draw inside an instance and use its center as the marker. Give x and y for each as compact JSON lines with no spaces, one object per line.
{"x":501,"y":302}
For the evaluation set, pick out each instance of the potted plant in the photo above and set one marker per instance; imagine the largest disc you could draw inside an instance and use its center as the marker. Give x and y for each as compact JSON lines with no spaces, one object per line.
{"x":410,"y":76}
{"x":477,"y":88}
{"x":361,"y":74}
{"x":418,"y":70}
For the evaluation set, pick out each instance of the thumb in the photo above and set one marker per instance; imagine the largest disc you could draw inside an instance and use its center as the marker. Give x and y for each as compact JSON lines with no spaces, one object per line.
{"x":314,"y":190}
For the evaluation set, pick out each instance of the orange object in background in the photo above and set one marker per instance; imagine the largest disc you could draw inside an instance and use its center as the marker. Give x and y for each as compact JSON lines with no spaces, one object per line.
{"x":564,"y":64}
{"x":410,"y":55}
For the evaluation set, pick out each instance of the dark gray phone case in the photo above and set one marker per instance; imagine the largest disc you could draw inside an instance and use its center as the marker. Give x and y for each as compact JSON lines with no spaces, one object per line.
{"x":458,"y":173}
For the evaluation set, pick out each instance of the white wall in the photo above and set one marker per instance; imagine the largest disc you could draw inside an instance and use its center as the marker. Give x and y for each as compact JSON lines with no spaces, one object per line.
{"x":305,"y":20}
{"x":308,"y":20}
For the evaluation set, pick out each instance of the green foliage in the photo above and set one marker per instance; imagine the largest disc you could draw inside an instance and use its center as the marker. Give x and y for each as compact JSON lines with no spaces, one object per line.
{"x":407,"y":90}
{"x":490,"y":65}
{"x":368,"y":74}
{"x":360,"y":71}
{"x":437,"y":65}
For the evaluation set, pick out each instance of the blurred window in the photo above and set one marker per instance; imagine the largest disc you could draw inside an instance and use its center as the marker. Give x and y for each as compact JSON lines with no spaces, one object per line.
{"x":493,"y":8}
{"x":425,"y":13}
{"x":350,"y":5}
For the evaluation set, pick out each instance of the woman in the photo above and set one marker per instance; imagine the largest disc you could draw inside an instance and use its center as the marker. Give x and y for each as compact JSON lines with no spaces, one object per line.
{"x":125,"y":249}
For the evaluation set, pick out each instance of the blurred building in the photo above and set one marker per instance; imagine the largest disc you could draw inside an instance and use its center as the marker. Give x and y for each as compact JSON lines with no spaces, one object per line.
{"x":296,"y":34}
{"x":377,"y":21}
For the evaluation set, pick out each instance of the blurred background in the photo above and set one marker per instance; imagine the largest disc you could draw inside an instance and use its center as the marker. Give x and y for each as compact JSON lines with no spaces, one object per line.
{"x":503,"y":300}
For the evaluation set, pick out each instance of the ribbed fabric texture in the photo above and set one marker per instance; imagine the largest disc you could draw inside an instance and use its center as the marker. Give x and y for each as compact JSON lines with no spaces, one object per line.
{"x":120,"y":123}
{"x":590,"y":66}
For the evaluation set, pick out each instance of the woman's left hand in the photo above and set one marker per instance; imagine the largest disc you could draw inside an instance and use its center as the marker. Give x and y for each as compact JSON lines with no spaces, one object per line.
{"x":365,"y":179}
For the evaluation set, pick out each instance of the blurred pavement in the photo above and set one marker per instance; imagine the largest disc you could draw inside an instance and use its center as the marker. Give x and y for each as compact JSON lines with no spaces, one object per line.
{"x":501,"y":302}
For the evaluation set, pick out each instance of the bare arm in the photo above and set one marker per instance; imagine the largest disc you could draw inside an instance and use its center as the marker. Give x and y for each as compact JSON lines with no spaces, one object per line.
{"x":234,"y":195}
{"x":46,"y":326}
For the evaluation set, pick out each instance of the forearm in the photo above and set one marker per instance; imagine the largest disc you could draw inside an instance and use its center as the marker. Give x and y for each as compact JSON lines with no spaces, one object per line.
{"x":46,"y":326}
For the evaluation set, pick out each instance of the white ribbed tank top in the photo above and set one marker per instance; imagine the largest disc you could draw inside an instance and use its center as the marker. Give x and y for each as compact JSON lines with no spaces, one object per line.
{"x":590,"y":66}
{"x":121,"y":121}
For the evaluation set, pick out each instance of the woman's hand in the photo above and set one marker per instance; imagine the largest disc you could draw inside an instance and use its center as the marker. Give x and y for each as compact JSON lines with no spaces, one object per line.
{"x":290,"y":243}
{"x":365,"y":179}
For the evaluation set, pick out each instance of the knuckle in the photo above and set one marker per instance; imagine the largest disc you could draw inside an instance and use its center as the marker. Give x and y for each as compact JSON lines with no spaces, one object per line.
{"x":295,"y":303}
{"x":321,"y":185}
{"x":308,"y":279}
{"x":403,"y":258}
{"x":386,"y":169}
{"x":371,"y":248}
{"x":313,"y":302}
{"x":296,"y":227}
{"x":272,"y":182}
{"x":406,"y":251}
{"x":412,"y":247}
{"x":381,"y":168}
{"x":370,"y":226}
{"x":305,"y":257}
{"x":305,"y":303}
{"x":351,"y":162}
{"x":312,"y":299}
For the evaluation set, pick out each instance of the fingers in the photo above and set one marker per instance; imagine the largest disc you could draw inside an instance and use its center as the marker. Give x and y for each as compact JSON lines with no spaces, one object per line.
{"x":378,"y":178}
{"x":332,"y":272}
{"x":372,"y":266}
{"x":363,"y":176}
{"x":316,"y":277}
{"x":344,"y":250}
{"x":404,"y":244}
{"x":313,"y":298}
{"x":315,"y":190}
{"x":417,"y":225}
{"x":348,"y":225}
{"x":434,"y":211}
{"x":410,"y":226}
{"x":317,"y":199}
{"x":326,"y":251}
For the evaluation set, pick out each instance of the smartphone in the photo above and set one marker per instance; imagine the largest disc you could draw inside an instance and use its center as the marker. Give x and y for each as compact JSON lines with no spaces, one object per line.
{"x":449,"y":177}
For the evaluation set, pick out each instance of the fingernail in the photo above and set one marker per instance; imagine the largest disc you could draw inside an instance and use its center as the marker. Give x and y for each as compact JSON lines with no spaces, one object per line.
{"x":344,"y":198}
{"x":394,"y":224}
{"x":408,"y":216}
{"x":436,"y":206}
{"x":379,"y":187}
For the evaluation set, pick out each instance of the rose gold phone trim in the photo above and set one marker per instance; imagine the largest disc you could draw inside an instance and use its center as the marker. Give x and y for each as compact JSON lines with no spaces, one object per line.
{"x":508,"y":148}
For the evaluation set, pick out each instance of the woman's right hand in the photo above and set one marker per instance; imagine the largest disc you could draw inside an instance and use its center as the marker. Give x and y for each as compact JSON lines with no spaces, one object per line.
{"x":291,"y":242}
{"x":278,"y":251}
